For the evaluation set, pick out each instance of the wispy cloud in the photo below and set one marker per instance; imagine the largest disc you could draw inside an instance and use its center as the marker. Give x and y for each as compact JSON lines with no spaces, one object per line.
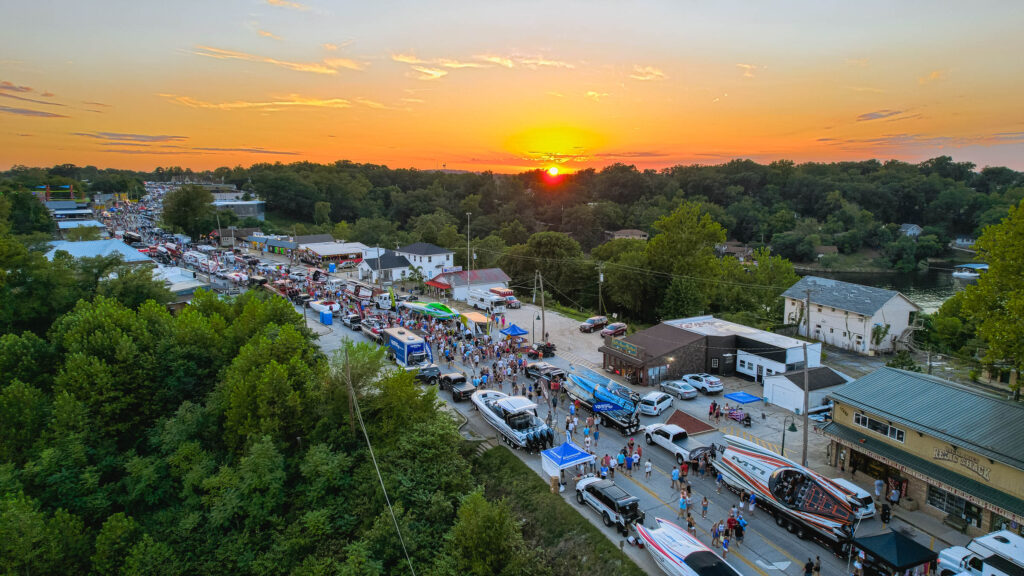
{"x":33,"y":100}
{"x":248,"y":150}
{"x":503,"y":61}
{"x":267,"y":34}
{"x":329,"y":47}
{"x":289,"y":101}
{"x":595,"y":96}
{"x":287,"y":4}
{"x":436,"y":62}
{"x":370,"y":103}
{"x":555,"y":94}
{"x":430,"y":69}
{"x":878,"y":115}
{"x":11,"y":87}
{"x":857,"y":62}
{"x":31,"y":113}
{"x":748,"y":70}
{"x":637,"y":154}
{"x":328,"y":66}
{"x":413,"y":100}
{"x":100,"y":104}
{"x":424,"y":73}
{"x":647,"y":73}
{"x":934,"y":76}
{"x":129,"y":137}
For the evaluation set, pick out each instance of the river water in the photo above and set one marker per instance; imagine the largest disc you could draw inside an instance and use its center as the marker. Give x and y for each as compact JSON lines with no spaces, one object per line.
{"x":928,"y":289}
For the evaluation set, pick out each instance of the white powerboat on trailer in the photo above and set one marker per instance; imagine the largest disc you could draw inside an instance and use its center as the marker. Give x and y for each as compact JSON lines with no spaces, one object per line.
{"x":801,"y":500}
{"x":678,"y":553}
{"x":971,"y":271}
{"x":515,"y":418}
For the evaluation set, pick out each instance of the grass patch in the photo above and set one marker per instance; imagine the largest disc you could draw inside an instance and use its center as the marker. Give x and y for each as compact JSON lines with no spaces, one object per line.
{"x":570,"y":544}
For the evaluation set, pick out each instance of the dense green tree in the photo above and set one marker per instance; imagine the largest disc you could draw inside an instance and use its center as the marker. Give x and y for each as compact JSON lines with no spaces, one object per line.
{"x":187,"y":208}
{"x":996,"y":302}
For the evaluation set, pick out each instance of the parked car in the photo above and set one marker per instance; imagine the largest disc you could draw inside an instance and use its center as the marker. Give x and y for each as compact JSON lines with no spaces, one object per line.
{"x":352,"y":321}
{"x":706,"y":383}
{"x":593,"y":323}
{"x":428,"y":374}
{"x":450,"y":379}
{"x":616,"y":506}
{"x":616,"y":329}
{"x":407,"y":298}
{"x":538,"y":369}
{"x":512,"y":302}
{"x":679,"y":388}
{"x":297,"y":276}
{"x":654,"y":403}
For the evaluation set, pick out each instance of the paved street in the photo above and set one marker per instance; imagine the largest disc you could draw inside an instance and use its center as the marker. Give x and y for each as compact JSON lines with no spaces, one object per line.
{"x":767,"y":550}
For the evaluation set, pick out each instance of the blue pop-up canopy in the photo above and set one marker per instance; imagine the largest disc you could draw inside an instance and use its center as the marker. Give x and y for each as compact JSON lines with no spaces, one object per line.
{"x":567,"y":455}
{"x":514,"y":331}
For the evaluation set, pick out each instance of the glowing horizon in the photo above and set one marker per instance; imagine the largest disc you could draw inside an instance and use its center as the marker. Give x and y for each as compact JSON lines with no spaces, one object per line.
{"x":507,"y":86}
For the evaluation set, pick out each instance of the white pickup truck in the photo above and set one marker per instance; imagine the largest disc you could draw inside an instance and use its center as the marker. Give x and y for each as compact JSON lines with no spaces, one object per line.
{"x":674,"y":439}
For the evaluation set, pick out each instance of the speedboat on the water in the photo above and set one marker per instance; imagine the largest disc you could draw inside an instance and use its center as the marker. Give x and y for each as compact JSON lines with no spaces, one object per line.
{"x":971,"y":271}
{"x":515,"y":418}
{"x":678,"y":553}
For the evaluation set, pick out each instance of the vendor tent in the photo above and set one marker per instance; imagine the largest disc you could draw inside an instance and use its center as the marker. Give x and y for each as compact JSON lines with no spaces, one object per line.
{"x":895,"y":551}
{"x":559,"y":458}
{"x":513,"y":331}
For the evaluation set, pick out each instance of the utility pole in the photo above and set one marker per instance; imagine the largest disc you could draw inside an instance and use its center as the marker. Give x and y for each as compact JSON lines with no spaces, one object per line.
{"x":807,"y":302}
{"x":600,"y":283}
{"x":351,"y":394}
{"x":469,"y":259}
{"x":543,"y":318}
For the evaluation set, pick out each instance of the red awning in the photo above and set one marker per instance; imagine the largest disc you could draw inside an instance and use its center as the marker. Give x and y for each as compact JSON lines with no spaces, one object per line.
{"x":437,"y":284}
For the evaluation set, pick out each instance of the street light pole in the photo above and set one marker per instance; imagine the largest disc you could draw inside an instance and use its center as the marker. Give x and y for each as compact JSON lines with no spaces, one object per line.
{"x":792,"y":428}
{"x":469,"y":259}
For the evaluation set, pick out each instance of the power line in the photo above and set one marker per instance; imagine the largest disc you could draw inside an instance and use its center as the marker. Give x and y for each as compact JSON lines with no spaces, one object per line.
{"x":359,"y":416}
{"x":637,"y":269}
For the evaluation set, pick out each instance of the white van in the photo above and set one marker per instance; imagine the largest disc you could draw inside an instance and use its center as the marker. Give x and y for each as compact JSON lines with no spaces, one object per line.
{"x":861,"y":497}
{"x":487,"y":301}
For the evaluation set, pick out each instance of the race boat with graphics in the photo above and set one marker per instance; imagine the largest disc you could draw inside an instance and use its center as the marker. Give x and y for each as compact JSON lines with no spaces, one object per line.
{"x":804,"y":502}
{"x":678,"y":553}
{"x":515,"y":418}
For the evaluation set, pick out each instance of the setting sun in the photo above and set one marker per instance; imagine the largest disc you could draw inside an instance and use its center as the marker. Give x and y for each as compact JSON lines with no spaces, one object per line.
{"x":553,"y":171}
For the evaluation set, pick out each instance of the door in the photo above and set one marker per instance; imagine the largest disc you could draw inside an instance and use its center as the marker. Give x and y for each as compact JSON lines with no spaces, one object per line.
{"x":760,"y":374}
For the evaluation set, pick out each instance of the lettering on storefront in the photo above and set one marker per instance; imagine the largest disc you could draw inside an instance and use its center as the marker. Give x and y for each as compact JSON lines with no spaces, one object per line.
{"x":625,"y":348}
{"x":969,"y":462}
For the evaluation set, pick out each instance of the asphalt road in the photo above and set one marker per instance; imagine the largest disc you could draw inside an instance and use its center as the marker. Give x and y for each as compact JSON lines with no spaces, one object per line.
{"x":767,"y":550}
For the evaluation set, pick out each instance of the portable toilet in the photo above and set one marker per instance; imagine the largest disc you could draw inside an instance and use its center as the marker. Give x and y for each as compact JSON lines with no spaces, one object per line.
{"x":332,"y":267}
{"x":326,"y":318}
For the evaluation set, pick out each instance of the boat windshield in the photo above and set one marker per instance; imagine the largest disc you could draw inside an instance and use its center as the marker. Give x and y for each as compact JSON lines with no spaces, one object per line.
{"x":706,"y":563}
{"x":787,"y":485}
{"x":521,"y":421}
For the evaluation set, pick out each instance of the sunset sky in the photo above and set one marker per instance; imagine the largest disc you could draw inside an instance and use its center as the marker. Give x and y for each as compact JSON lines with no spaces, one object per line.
{"x":508,"y":85}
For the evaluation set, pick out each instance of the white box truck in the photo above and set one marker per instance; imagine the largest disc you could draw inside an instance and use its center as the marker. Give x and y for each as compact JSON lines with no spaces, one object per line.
{"x":408,"y":349}
{"x":487,"y":301}
{"x":997,"y":554}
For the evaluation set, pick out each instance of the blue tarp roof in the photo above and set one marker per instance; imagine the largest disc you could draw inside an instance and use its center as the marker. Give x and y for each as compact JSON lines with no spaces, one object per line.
{"x":565,"y":456}
{"x":94,"y":248}
{"x":514,"y":330}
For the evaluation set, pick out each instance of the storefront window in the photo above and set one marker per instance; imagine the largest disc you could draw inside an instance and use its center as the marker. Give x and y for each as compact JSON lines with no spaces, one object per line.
{"x":1000,"y":523}
{"x":955,"y":505}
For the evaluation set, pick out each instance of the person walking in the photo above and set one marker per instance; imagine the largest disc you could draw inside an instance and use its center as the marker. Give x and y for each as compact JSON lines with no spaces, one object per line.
{"x":894,"y":496}
{"x":879,"y":486}
{"x":809,"y":568}
{"x":675,"y":477}
{"x":725,"y":546}
{"x":629,"y":466}
{"x":718,"y":483}
{"x":716,"y":533}
{"x":738,"y":532}
{"x":691,"y":526}
{"x":753,"y":503}
{"x":682,"y":505}
{"x":817,"y":566}
{"x":684,"y":469}
{"x":647,"y":469}
{"x":704,"y":508}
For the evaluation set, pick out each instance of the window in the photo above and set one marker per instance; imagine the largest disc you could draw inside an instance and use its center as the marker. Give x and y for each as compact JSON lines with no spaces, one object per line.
{"x":844,"y":334}
{"x":819,"y":308}
{"x":831,"y":330}
{"x":430,"y":258}
{"x":879,"y":427}
{"x":954,"y":505}
{"x":714,"y":362}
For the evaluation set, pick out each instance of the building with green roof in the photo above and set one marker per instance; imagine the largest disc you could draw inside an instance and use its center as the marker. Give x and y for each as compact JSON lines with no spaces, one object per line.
{"x":956,"y":452}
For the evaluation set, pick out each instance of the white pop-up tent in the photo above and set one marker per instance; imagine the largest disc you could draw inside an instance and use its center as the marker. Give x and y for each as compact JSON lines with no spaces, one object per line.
{"x":565,"y":456}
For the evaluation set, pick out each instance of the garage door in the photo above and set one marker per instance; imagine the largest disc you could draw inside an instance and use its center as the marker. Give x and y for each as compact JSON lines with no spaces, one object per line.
{"x":786,"y":396}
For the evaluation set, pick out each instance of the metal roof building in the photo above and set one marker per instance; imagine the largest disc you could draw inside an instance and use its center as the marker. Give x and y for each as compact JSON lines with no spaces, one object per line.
{"x":94,"y":248}
{"x":955,"y":450}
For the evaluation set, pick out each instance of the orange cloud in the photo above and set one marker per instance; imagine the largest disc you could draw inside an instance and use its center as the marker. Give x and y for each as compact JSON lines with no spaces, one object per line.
{"x":425,"y":73}
{"x":287,"y":4}
{"x":647,"y":73}
{"x":935,"y":76}
{"x":328,"y":66}
{"x":748,"y":70}
{"x":266,"y":34}
{"x":289,"y":101}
